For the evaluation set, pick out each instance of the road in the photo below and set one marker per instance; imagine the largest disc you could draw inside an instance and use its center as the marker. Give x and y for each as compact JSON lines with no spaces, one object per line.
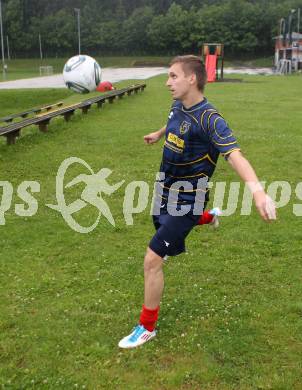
{"x":108,"y":74}
{"x":114,"y":75}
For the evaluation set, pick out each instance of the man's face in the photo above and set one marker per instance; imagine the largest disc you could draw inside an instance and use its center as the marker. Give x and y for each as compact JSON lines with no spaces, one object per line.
{"x":178,"y":82}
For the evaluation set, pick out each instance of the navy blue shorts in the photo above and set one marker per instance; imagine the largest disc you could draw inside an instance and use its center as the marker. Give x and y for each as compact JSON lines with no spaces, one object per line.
{"x":171,"y":232}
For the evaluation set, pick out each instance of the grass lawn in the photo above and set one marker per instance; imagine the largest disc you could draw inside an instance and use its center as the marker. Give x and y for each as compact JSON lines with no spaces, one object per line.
{"x":26,"y":68}
{"x":231,"y":312}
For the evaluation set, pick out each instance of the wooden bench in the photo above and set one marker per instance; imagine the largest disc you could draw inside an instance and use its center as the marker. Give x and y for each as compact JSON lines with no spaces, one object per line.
{"x":25,"y":114}
{"x":12,"y":131}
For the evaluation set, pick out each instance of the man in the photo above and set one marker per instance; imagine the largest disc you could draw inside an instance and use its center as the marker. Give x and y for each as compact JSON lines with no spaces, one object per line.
{"x":195,"y":135}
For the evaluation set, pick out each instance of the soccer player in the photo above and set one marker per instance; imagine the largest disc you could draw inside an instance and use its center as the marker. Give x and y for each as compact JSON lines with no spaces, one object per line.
{"x":195,"y":135}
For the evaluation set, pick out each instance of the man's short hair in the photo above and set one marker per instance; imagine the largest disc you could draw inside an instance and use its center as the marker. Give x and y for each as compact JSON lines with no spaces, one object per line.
{"x":192,"y":64}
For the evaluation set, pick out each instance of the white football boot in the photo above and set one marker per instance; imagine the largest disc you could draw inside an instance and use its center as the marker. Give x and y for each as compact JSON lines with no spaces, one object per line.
{"x":216,"y":212}
{"x":139,"y":336}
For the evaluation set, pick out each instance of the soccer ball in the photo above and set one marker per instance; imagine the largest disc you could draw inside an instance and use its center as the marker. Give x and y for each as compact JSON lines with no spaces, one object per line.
{"x":82,"y":74}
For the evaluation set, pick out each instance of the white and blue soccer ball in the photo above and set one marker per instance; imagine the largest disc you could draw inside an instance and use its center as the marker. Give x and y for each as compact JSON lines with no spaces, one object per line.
{"x":82,"y":74}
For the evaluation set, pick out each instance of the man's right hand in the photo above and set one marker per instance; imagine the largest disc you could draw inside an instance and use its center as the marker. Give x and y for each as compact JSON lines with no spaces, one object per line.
{"x":152,"y":138}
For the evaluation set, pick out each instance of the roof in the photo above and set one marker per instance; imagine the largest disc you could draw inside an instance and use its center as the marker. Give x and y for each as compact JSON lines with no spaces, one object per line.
{"x":295,"y":36}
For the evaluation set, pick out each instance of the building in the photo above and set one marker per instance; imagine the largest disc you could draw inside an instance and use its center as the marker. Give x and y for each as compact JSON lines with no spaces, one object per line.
{"x":288,"y":46}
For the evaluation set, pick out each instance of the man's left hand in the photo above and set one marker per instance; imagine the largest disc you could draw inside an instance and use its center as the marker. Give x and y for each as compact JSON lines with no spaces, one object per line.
{"x":265,"y":206}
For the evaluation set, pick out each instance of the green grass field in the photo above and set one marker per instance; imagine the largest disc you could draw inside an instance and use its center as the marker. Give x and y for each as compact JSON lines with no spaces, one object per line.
{"x":26,"y":68}
{"x":231,"y":312}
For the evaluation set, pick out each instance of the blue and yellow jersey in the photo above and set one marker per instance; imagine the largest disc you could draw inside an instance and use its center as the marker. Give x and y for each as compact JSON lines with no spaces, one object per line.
{"x":194,"y":139}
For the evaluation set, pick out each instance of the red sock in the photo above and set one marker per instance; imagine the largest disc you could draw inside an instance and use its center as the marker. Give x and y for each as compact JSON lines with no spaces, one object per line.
{"x":205,"y":218}
{"x":148,"y":318}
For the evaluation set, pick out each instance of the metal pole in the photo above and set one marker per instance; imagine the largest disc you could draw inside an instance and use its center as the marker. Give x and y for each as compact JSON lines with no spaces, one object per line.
{"x":40,"y":44}
{"x":79,"y":28}
{"x":2,"y":44}
{"x":298,"y":27}
{"x":290,"y":28}
{"x":7,"y":44}
{"x":282,"y":26}
{"x":78,"y":11}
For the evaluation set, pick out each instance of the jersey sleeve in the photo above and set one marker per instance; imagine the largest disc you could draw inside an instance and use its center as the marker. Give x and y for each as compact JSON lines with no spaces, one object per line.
{"x":219,"y":133}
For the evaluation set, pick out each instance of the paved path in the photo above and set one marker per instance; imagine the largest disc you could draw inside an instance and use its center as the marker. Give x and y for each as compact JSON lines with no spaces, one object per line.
{"x":252,"y":71}
{"x":108,"y":74}
{"x":114,"y":75}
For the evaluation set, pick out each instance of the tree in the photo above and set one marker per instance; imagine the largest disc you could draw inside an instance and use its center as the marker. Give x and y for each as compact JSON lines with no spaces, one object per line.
{"x":135,"y":36}
{"x":170,"y":33}
{"x":145,"y":26}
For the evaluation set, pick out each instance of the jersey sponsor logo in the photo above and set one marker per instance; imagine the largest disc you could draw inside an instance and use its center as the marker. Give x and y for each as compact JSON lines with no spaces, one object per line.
{"x":171,"y":114}
{"x":180,"y":143}
{"x":184,"y":127}
{"x":173,"y":148}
